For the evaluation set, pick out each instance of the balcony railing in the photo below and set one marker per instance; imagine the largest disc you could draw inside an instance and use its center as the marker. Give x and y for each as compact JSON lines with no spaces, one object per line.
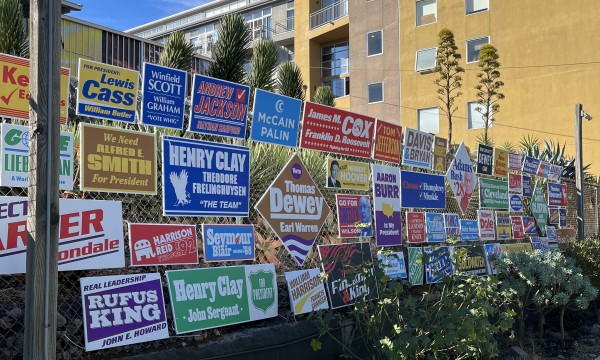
{"x":284,"y":26}
{"x":328,"y":14}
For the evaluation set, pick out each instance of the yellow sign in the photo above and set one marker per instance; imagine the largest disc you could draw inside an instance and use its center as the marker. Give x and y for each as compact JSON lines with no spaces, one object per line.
{"x":14,"y":89}
{"x":500,"y":162}
{"x":516,"y":248}
{"x":343,"y":174}
{"x":106,"y":91}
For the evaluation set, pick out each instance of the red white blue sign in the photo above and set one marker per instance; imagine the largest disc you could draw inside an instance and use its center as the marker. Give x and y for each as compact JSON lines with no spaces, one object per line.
{"x":422,"y":191}
{"x":530,"y":165}
{"x":557,"y":194}
{"x":228,"y":242}
{"x":527,"y":188}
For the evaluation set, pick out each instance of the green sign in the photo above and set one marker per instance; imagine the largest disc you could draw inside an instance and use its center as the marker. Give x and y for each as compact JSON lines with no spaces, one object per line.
{"x":539,"y":207}
{"x":415,"y":266}
{"x":213,"y":297}
{"x":493,"y":194}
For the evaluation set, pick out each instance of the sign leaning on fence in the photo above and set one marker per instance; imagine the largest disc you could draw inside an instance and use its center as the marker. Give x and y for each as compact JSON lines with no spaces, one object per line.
{"x":452,"y":224}
{"x":485,"y":158}
{"x":162,"y":244}
{"x":276,"y":119}
{"x":439,"y":263}
{"x":90,"y":235}
{"x":336,"y":131}
{"x":493,"y":253}
{"x":163,"y":102}
{"x":354,"y":216}
{"x":416,"y":270}
{"x":106,"y":91}
{"x":474,"y":261}
{"x":415,"y":227}
{"x":202,"y":178}
{"x":117,"y":160}
{"x":228,"y":242}
{"x":539,"y":207}
{"x":294,"y":208}
{"x":529,"y":225}
{"x":14,"y":157}
{"x":434,"y":227}
{"x":469,"y":230}
{"x":418,"y":149}
{"x":386,"y":200}
{"x":15,"y":89}
{"x":493,"y":194}
{"x":219,"y":107}
{"x":422,"y":191}
{"x":122,"y":310}
{"x":388,"y":137}
{"x":485,"y":218}
{"x":212,"y":297}
{"x":461,"y":177}
{"x":392,"y":264}
{"x":503,"y":225}
{"x":344,"y":174}
{"x":516,"y":225}
{"x":307,"y":292}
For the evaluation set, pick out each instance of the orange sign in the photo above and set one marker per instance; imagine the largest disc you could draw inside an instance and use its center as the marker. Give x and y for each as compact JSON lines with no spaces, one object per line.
{"x":500,"y":162}
{"x":14,"y":89}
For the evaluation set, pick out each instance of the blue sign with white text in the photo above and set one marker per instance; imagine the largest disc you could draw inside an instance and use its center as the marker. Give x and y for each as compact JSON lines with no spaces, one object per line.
{"x":434,"y":227}
{"x":228,"y":242}
{"x":422,"y":191}
{"x":438,"y":265}
{"x":276,"y":119}
{"x":516,"y":203}
{"x":530,"y":165}
{"x":164,"y":92}
{"x":202,"y":178}
{"x":219,"y":107}
{"x":527,"y":189}
{"x":469,"y":230}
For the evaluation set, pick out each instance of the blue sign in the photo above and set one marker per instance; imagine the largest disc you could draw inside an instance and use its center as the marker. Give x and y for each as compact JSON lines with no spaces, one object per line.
{"x":164,"y":92}
{"x":563,"y":218}
{"x":516,"y":203}
{"x":219,"y":107}
{"x":451,"y":221}
{"x":202,"y":178}
{"x":527,"y":189}
{"x":422,"y":191}
{"x":439,"y":264}
{"x":434,"y":227}
{"x":551,"y":233}
{"x":469,"y":230}
{"x":555,"y":195}
{"x":530,"y":165}
{"x":276,"y":119}
{"x":228,"y":242}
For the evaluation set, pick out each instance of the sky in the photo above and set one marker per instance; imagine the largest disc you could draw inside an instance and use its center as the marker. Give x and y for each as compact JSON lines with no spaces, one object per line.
{"x":126,"y":14}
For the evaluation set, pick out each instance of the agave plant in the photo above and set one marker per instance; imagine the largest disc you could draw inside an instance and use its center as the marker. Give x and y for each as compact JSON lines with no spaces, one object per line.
{"x":14,"y":39}
{"x":289,"y":81}
{"x":553,"y":153}
{"x":178,"y":52}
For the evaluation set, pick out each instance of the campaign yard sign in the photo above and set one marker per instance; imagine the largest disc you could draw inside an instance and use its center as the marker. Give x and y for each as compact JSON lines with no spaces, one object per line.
{"x":307,"y":292}
{"x":544,"y":169}
{"x":440,"y":148}
{"x":469,"y":230}
{"x":500,"y":162}
{"x":527,"y":188}
{"x":345,"y":174}
{"x":516,"y":225}
{"x":516,"y":203}
{"x":439,"y":263}
{"x":530,"y":165}
{"x":276,"y":119}
{"x":434,"y":227}
{"x":14,"y":157}
{"x":336,"y":131}
{"x":555,"y":173}
{"x":461,"y":177}
{"x":415,"y":227}
{"x":344,"y":286}
{"x":493,"y":253}
{"x":354,"y":216}
{"x":551,"y":233}
{"x":485,"y":158}
{"x":516,"y":248}
{"x":473,"y":263}
{"x":295,"y":209}
{"x":388,"y":137}
{"x":162,"y":244}
{"x":218,"y":107}
{"x":503,"y":225}
{"x":14,"y":85}
{"x":539,"y":207}
{"x":557,"y":194}
{"x":452,"y":224}
{"x":117,"y":160}
{"x":416,"y":270}
{"x":163,"y":96}
{"x":562,"y":214}
{"x":228,"y":242}
{"x":514,"y":161}
{"x":553,"y":216}
{"x":213,"y":297}
{"x":515,"y":184}
{"x":202,"y":178}
{"x":121,"y":310}
{"x":106,"y":91}
{"x":90,"y":235}
{"x":422,"y":191}
{"x":493,"y":194}
{"x":392,"y":264}
{"x":418,"y":149}
{"x":485,"y":219}
{"x":529,"y":225}
{"x":386,"y":200}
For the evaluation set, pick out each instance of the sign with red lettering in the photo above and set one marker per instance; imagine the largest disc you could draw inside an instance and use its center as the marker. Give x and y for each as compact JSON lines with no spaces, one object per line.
{"x":162,"y":244}
{"x":486,"y":225}
{"x":90,"y":235}
{"x":387,"y":142}
{"x":415,"y":227}
{"x":354,"y":216}
{"x":336,"y":131}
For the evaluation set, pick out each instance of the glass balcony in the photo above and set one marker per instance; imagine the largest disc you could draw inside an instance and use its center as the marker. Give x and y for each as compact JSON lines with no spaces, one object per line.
{"x":330,"y":13}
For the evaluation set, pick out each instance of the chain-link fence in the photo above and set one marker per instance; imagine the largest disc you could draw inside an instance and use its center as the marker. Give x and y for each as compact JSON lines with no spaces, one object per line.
{"x":266,"y":162}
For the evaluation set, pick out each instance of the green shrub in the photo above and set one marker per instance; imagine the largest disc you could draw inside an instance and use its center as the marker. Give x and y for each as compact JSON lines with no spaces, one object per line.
{"x":586,"y":254}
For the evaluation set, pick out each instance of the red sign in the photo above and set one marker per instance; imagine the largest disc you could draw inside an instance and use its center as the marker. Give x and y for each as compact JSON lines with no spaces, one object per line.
{"x":515,"y":184}
{"x":354,"y":216}
{"x":415,"y":227}
{"x":162,"y":244}
{"x":516,"y":223}
{"x":514,"y":161}
{"x":387,"y":142}
{"x":336,"y":131}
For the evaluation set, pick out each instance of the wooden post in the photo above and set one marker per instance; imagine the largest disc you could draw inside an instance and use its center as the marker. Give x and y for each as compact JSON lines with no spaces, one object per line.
{"x":42,"y":219}
{"x":579,"y":173}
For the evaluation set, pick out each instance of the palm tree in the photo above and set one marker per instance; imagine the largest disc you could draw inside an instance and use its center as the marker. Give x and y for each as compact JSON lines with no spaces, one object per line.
{"x":178,"y":53}
{"x":289,"y":81}
{"x":324,"y":96}
{"x":14,"y":39}
{"x":231,"y":49}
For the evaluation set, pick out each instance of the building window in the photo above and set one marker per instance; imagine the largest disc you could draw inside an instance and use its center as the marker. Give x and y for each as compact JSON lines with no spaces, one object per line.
{"x":259,"y":21}
{"x":374,"y":43}
{"x":474,"y":46}
{"x":475,"y":120}
{"x":475,"y":6}
{"x":426,"y":12}
{"x":203,"y":38}
{"x":339,"y":86}
{"x":429,"y":120}
{"x":375,"y":92}
{"x":334,"y":64}
{"x":425,"y":59}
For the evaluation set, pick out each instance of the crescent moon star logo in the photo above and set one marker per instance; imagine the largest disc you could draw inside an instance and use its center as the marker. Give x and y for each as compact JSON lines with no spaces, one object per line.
{"x":279,"y":106}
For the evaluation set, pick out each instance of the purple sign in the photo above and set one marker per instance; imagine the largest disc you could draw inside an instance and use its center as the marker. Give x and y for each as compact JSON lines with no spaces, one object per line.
{"x":122,"y":310}
{"x":527,"y":189}
{"x":386,"y":200}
